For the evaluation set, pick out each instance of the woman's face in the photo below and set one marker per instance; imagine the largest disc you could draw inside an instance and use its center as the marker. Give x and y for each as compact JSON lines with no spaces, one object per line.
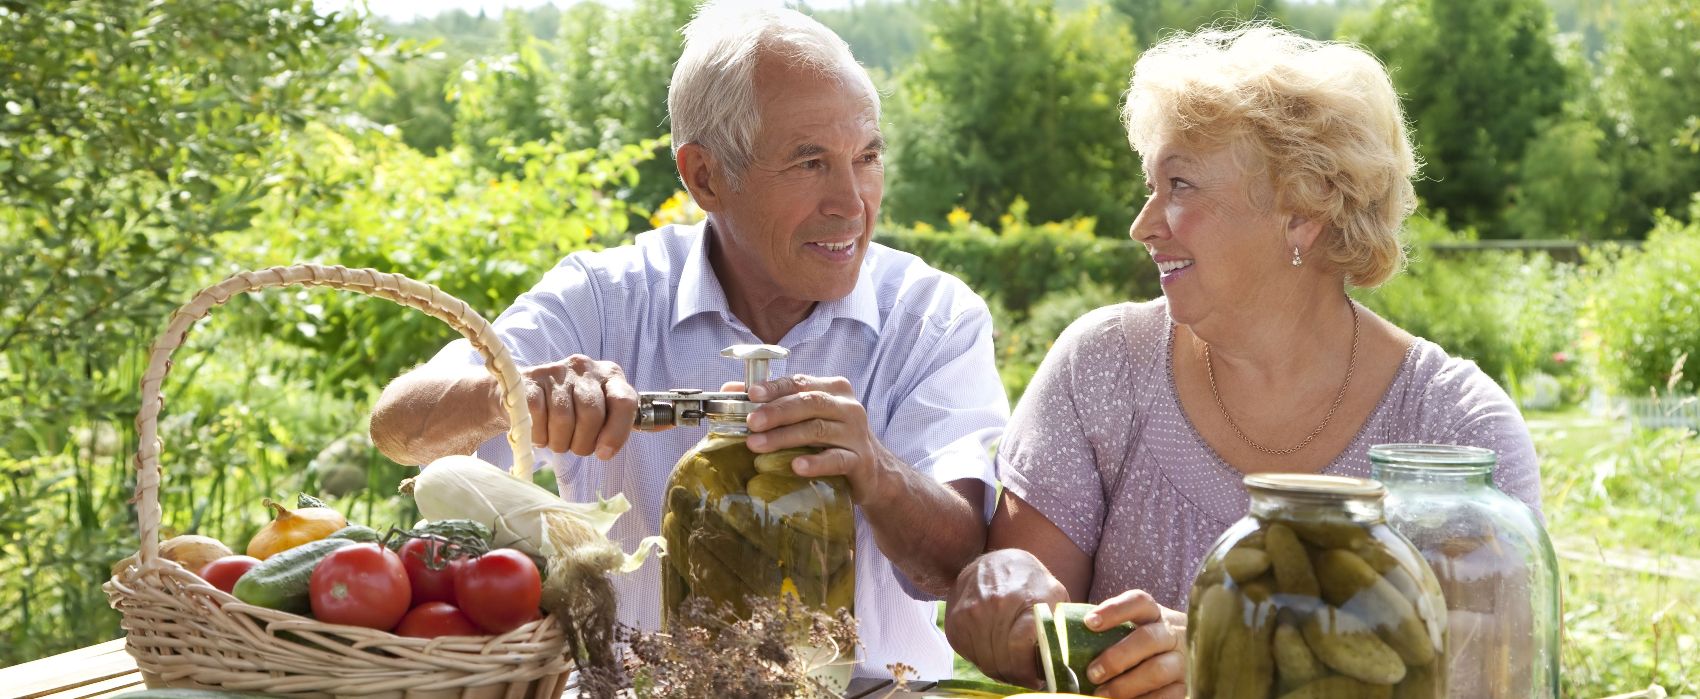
{"x":1215,"y":237}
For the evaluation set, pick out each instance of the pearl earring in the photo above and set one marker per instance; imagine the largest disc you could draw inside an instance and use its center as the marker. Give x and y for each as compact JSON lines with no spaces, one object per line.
{"x":1296,"y":259}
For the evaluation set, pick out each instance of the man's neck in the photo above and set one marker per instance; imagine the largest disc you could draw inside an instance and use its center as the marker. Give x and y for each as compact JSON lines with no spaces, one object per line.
{"x":763,"y":309}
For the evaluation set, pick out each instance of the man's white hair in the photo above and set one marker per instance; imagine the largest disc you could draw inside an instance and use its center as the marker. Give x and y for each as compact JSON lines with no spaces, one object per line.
{"x":712,"y":98}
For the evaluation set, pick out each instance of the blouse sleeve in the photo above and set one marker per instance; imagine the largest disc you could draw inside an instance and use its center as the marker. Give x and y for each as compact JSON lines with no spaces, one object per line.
{"x":1048,"y":457}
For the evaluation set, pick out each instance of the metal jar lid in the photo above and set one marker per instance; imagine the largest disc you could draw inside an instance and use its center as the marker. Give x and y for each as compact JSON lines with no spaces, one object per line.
{"x":1314,"y":485}
{"x":730,"y":408}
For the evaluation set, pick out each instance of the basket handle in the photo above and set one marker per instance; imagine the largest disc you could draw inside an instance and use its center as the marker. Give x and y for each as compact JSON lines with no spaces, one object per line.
{"x":402,"y":290}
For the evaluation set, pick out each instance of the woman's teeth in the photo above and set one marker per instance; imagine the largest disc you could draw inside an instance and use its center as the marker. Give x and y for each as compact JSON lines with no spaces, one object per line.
{"x":1172,"y":265}
{"x":835,"y":247}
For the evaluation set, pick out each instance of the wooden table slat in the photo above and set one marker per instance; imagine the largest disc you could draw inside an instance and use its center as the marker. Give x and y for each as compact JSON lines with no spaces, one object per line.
{"x":58,"y":674}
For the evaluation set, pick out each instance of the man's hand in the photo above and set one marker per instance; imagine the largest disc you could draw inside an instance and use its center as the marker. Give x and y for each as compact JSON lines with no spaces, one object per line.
{"x":1151,"y":662}
{"x":803,"y":411}
{"x":989,"y":617}
{"x":580,"y":405}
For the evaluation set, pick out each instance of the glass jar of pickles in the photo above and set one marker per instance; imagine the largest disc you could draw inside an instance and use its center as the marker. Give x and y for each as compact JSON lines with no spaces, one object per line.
{"x":739,"y":524}
{"x":1313,"y":595}
{"x":1494,"y":562}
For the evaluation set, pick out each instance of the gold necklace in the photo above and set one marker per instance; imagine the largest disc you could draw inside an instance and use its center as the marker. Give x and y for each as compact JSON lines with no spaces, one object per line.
{"x":1351,"y":365}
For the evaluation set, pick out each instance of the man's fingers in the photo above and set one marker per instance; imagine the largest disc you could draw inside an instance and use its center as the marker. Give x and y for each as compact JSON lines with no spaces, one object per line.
{"x":559,"y":425}
{"x":589,"y":410}
{"x":800,"y":407}
{"x":815,"y":432}
{"x":798,"y":383}
{"x":622,"y":402}
{"x":537,"y":401}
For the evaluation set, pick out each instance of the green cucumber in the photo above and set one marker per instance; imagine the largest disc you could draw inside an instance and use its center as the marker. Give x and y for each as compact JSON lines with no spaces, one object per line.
{"x":280,"y":582}
{"x":1067,"y":646}
{"x":356,"y":532}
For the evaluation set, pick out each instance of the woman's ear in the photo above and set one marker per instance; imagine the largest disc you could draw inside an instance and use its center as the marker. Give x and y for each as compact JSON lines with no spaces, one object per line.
{"x":1303,"y":231}
{"x":698,"y":169}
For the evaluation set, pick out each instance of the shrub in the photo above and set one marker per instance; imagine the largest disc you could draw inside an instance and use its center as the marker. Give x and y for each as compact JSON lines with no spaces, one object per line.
{"x":1020,"y":263}
{"x":1644,"y":309}
{"x":1510,"y":312}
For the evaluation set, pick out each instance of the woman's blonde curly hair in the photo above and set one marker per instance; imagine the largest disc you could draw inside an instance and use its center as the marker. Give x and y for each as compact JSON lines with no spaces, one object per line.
{"x":1321,"y":117}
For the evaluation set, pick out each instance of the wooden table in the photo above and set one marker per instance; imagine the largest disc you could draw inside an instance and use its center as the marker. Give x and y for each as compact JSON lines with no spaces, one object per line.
{"x":105,"y":669}
{"x":96,"y":671}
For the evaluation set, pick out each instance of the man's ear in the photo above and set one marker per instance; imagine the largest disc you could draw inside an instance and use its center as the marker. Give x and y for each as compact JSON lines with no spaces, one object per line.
{"x":698,"y":168}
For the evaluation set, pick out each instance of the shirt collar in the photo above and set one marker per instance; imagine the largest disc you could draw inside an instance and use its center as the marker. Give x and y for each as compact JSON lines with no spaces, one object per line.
{"x":700,"y":290}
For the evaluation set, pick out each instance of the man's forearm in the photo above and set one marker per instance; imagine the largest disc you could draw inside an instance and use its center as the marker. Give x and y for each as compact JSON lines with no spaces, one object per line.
{"x":927,"y":529}
{"x":425,"y":415}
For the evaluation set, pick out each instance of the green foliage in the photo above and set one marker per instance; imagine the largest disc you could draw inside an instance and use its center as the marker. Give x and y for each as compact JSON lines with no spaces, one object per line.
{"x":1510,"y":312}
{"x":1022,"y":342}
{"x":883,"y":35}
{"x":482,"y":237}
{"x":1477,"y":76}
{"x":1153,"y":19}
{"x":412,"y":99}
{"x":130,"y":134}
{"x":1645,"y":309}
{"x":1650,"y":84}
{"x":1021,"y":263}
{"x":612,"y":86}
{"x":1567,"y":186}
{"x":499,"y":99}
{"x":1010,"y":99}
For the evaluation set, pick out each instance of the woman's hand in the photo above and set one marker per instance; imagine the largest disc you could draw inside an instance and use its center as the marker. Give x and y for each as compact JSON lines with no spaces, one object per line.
{"x":989,"y":616}
{"x":1151,"y":662}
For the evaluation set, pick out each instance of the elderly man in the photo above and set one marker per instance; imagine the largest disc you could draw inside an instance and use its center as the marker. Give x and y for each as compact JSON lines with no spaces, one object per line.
{"x":776,"y":136}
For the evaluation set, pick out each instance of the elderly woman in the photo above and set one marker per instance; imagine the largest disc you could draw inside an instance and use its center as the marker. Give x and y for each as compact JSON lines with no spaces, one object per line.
{"x":1280,"y":172}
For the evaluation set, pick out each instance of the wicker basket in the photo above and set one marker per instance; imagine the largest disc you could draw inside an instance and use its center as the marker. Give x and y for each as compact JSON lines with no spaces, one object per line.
{"x":184,"y":632}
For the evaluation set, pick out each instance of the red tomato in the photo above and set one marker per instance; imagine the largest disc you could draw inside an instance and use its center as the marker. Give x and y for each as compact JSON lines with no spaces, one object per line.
{"x":433,"y":619}
{"x":224,"y":572}
{"x":499,"y":590}
{"x":360,"y":585}
{"x":418,"y":556}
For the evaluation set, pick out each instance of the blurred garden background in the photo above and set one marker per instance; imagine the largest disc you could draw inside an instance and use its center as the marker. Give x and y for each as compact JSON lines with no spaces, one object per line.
{"x":148,"y":149}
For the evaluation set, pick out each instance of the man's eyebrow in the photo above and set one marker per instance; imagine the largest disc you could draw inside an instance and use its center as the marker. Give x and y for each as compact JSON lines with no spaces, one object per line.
{"x":876,"y":145}
{"x":807,"y":150}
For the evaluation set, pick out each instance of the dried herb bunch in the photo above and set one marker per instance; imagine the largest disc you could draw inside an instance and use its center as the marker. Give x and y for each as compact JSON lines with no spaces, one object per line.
{"x":701,"y":654}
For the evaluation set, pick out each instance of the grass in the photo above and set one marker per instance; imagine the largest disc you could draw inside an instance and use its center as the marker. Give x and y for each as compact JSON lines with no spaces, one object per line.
{"x":1623,"y":508}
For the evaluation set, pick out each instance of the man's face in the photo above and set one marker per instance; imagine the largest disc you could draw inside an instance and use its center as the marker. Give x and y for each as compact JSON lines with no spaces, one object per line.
{"x":799,"y":225}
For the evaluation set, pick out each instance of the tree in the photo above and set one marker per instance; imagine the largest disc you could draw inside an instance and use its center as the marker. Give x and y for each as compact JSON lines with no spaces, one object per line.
{"x":131,"y":134}
{"x":1651,"y":89}
{"x":499,"y":100}
{"x":1010,"y":100}
{"x":1477,"y":77}
{"x":1154,"y":18}
{"x":883,"y":35}
{"x":612,"y":87}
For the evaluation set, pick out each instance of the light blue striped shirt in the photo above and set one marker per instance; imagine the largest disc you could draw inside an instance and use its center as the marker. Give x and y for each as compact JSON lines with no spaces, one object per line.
{"x":915,"y":343}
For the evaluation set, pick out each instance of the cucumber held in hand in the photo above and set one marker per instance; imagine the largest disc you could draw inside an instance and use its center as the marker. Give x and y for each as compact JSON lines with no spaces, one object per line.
{"x":1067,"y":646}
